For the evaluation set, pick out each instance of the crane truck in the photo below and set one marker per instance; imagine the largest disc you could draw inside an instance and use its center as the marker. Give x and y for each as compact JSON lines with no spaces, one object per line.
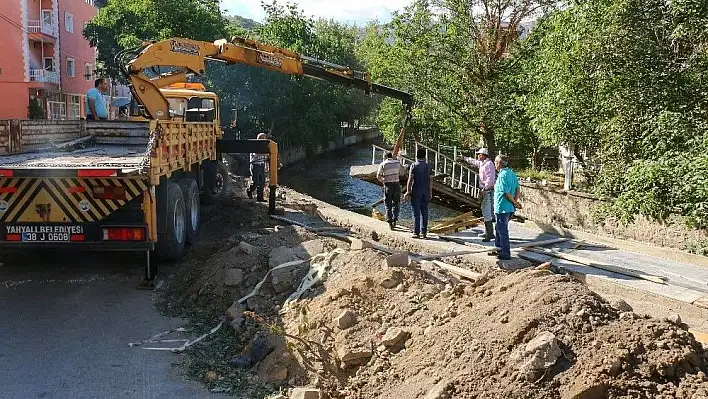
{"x":139,"y":185}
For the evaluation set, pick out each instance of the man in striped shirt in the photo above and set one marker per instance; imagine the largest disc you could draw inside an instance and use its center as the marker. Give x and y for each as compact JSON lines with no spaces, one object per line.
{"x":389,"y":173}
{"x":487,"y":176}
{"x":258,"y":170}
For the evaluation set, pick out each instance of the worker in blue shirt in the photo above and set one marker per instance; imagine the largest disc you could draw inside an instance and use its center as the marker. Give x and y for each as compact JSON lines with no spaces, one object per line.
{"x":96,"y":108}
{"x":420,"y":191}
{"x":506,"y":202}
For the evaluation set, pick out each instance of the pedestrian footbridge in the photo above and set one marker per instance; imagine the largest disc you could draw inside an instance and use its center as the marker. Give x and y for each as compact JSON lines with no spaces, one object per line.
{"x":455,"y":185}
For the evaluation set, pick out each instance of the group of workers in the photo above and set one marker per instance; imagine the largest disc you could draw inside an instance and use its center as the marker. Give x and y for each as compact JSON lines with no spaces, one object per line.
{"x":499,"y":194}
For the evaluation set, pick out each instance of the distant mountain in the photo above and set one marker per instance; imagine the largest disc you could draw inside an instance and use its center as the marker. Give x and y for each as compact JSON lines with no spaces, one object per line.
{"x":237,"y":20}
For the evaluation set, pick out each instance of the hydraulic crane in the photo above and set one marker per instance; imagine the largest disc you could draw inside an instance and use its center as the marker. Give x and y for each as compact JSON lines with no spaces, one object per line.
{"x":186,"y":56}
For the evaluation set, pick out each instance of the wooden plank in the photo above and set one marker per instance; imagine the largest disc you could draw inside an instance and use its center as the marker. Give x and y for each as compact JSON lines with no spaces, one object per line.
{"x":456,"y":227}
{"x":472,"y":275}
{"x":464,"y":217}
{"x":591,"y":263}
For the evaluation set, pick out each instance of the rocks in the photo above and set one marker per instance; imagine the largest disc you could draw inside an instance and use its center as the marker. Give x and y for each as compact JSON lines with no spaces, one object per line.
{"x":539,"y":354}
{"x":586,"y":390}
{"x":439,"y":391}
{"x":309,"y":249}
{"x":279,"y":374}
{"x":354,"y":356}
{"x":346,"y":320}
{"x":392,"y":280}
{"x":247,"y":248}
{"x":233,"y":277}
{"x":235,"y":314}
{"x":615,"y":367}
{"x":306,"y":393}
{"x":253,"y":353}
{"x":394,"y":336}
{"x":281,"y":255}
{"x":622,"y":305}
{"x":401,"y":259}
{"x":358,"y":245}
{"x":674,"y":319}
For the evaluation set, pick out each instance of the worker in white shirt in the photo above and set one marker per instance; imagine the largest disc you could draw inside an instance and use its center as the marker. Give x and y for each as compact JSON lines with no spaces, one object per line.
{"x":487,"y":176}
{"x":389,"y":173}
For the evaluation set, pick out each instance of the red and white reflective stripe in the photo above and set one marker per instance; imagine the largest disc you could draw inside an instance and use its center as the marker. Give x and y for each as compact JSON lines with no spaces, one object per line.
{"x":7,"y":173}
{"x":97,"y":173}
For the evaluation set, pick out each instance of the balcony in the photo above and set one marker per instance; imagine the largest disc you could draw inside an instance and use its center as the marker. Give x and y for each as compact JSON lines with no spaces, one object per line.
{"x":36,"y":28}
{"x":42,"y":76}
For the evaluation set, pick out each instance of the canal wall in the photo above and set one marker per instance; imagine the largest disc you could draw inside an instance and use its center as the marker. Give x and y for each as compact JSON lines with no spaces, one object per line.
{"x":556,"y":209}
{"x":289,"y":156}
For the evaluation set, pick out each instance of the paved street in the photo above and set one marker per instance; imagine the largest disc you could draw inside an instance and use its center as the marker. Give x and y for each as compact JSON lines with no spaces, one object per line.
{"x":65,"y":323}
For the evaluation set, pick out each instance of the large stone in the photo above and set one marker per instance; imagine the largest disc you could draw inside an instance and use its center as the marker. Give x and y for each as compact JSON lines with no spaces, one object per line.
{"x":401,"y":259}
{"x":235,"y":314}
{"x":393,"y":278}
{"x":622,"y":305}
{"x":346,"y":320}
{"x":279,"y":374}
{"x":586,"y":390}
{"x":439,"y":391}
{"x":354,"y":356}
{"x":674,"y":318}
{"x":358,"y":245}
{"x":394,"y":336}
{"x":253,"y":353}
{"x":233,"y":277}
{"x":539,"y":354}
{"x":306,"y":393}
{"x":281,"y":255}
{"x":247,"y":248}
{"x":309,"y":249}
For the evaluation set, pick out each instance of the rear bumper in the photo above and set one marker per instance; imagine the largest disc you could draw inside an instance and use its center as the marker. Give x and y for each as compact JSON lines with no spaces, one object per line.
{"x":83,"y":246}
{"x":86,"y":236}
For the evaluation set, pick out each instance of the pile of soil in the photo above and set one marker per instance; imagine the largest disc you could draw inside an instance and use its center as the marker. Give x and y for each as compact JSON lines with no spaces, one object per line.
{"x":413,"y":332}
{"x":529,"y":334}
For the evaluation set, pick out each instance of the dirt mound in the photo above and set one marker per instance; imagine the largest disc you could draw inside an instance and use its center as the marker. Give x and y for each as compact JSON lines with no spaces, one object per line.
{"x":414,"y":332}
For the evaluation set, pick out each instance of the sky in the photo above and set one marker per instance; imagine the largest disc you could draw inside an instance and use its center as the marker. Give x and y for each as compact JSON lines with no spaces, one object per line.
{"x":357,"y":11}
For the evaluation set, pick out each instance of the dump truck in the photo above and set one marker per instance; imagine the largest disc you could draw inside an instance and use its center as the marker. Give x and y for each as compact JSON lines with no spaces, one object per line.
{"x":139,"y":185}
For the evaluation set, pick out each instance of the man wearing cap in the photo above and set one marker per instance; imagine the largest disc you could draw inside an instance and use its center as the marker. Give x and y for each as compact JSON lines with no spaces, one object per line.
{"x":389,"y":173}
{"x":487,"y":175}
{"x":506,"y":202}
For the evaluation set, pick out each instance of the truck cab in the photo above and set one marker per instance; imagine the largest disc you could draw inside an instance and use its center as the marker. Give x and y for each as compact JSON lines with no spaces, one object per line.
{"x":189,"y":102}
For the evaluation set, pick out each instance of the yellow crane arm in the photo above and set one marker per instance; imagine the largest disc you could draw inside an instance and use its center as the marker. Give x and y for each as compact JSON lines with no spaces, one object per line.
{"x":187,"y":56}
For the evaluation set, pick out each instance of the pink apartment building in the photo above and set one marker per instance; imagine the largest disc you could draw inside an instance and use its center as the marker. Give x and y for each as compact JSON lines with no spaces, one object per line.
{"x":44,"y":57}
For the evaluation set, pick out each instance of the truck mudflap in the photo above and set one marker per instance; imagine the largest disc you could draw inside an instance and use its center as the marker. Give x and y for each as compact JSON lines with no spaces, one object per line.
{"x":86,"y":235}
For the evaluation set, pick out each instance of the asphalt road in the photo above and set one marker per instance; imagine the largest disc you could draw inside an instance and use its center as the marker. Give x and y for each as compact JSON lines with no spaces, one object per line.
{"x":65,"y":323}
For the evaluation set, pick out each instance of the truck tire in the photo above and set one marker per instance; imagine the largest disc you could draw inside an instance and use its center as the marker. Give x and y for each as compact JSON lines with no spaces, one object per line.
{"x":190,"y":191}
{"x":216,"y":182}
{"x":171,"y":222}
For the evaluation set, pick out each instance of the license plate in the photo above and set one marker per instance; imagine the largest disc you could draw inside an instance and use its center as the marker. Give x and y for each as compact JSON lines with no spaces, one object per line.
{"x":46,"y":237}
{"x":44,"y":233}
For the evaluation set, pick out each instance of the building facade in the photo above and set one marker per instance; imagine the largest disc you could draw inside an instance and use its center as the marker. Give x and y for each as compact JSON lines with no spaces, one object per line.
{"x":46,"y":66}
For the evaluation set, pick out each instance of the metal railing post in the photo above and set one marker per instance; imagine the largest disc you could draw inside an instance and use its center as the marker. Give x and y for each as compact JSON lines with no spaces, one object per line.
{"x":452,"y":181}
{"x":437,"y":155}
{"x":468,"y":181}
{"x":373,"y":155}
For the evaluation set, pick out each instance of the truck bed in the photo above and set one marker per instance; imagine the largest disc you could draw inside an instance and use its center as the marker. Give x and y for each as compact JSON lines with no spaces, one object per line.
{"x":73,"y":144}
{"x":96,"y":156}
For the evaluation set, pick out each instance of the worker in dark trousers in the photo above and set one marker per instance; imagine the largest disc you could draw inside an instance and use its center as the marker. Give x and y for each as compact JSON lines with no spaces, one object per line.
{"x":420,"y":191}
{"x":389,"y":173}
{"x":258,"y":171}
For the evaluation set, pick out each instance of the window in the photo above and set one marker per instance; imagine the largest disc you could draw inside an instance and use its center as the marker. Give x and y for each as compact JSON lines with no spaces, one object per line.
{"x":88,"y":73}
{"x":57,"y":110}
{"x":70,"y":67}
{"x":177,"y":106}
{"x":47,"y":17}
{"x":74,"y":110}
{"x":69,"y":22}
{"x":48,"y":64}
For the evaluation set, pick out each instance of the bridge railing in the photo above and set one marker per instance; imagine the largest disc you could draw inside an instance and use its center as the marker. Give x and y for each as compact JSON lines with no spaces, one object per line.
{"x":445,"y":169}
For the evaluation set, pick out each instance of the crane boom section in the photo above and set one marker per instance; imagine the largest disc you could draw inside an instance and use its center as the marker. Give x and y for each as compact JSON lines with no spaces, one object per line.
{"x":190,"y":56}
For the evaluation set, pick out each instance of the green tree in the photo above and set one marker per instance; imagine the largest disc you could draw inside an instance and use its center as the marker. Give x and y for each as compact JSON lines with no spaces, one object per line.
{"x":126,"y":24}
{"x":454,"y":56}
{"x":625,"y":79}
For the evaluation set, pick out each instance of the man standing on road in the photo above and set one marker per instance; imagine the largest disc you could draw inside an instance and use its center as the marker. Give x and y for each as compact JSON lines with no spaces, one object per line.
{"x":258,"y":170}
{"x":487,"y":174}
{"x":420,"y":191}
{"x":96,"y":108}
{"x":506,"y":202}
{"x":389,"y":174}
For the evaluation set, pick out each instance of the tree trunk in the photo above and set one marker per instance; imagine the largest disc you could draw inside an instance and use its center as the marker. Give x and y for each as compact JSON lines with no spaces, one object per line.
{"x":488,"y":136}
